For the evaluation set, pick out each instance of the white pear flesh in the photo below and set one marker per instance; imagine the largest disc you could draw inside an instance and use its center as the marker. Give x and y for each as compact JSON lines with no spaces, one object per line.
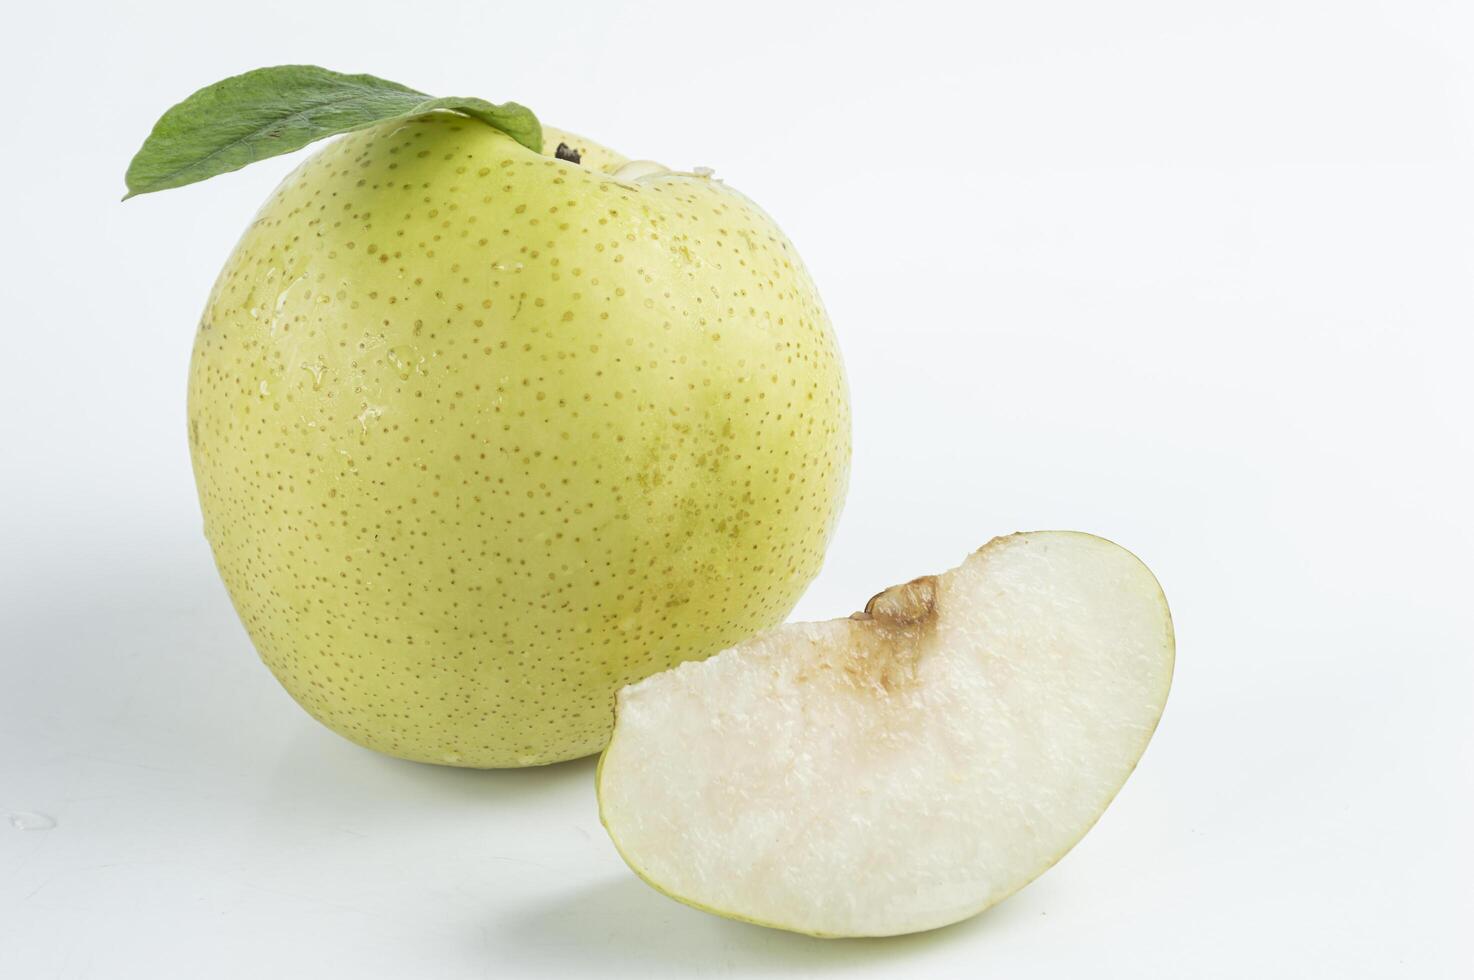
{"x":907,"y":767}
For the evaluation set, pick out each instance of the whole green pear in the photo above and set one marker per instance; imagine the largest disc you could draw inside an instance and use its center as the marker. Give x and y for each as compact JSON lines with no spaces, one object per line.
{"x":482,"y":435}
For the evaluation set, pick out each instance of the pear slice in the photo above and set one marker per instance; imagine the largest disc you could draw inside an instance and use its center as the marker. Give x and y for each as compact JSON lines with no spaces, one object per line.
{"x":904,"y":768}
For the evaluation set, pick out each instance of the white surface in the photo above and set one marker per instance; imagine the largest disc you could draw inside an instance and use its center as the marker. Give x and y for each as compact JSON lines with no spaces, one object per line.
{"x":1196,"y":277}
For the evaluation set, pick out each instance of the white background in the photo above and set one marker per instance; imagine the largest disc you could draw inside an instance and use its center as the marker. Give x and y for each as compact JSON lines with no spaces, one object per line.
{"x":1198,"y":277}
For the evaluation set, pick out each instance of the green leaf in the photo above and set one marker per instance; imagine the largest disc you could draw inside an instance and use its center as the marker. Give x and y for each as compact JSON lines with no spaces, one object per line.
{"x":271,"y":111}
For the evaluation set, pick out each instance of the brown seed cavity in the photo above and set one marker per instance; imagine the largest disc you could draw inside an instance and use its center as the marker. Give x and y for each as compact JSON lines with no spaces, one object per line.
{"x":911,"y":604}
{"x":888,"y":637}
